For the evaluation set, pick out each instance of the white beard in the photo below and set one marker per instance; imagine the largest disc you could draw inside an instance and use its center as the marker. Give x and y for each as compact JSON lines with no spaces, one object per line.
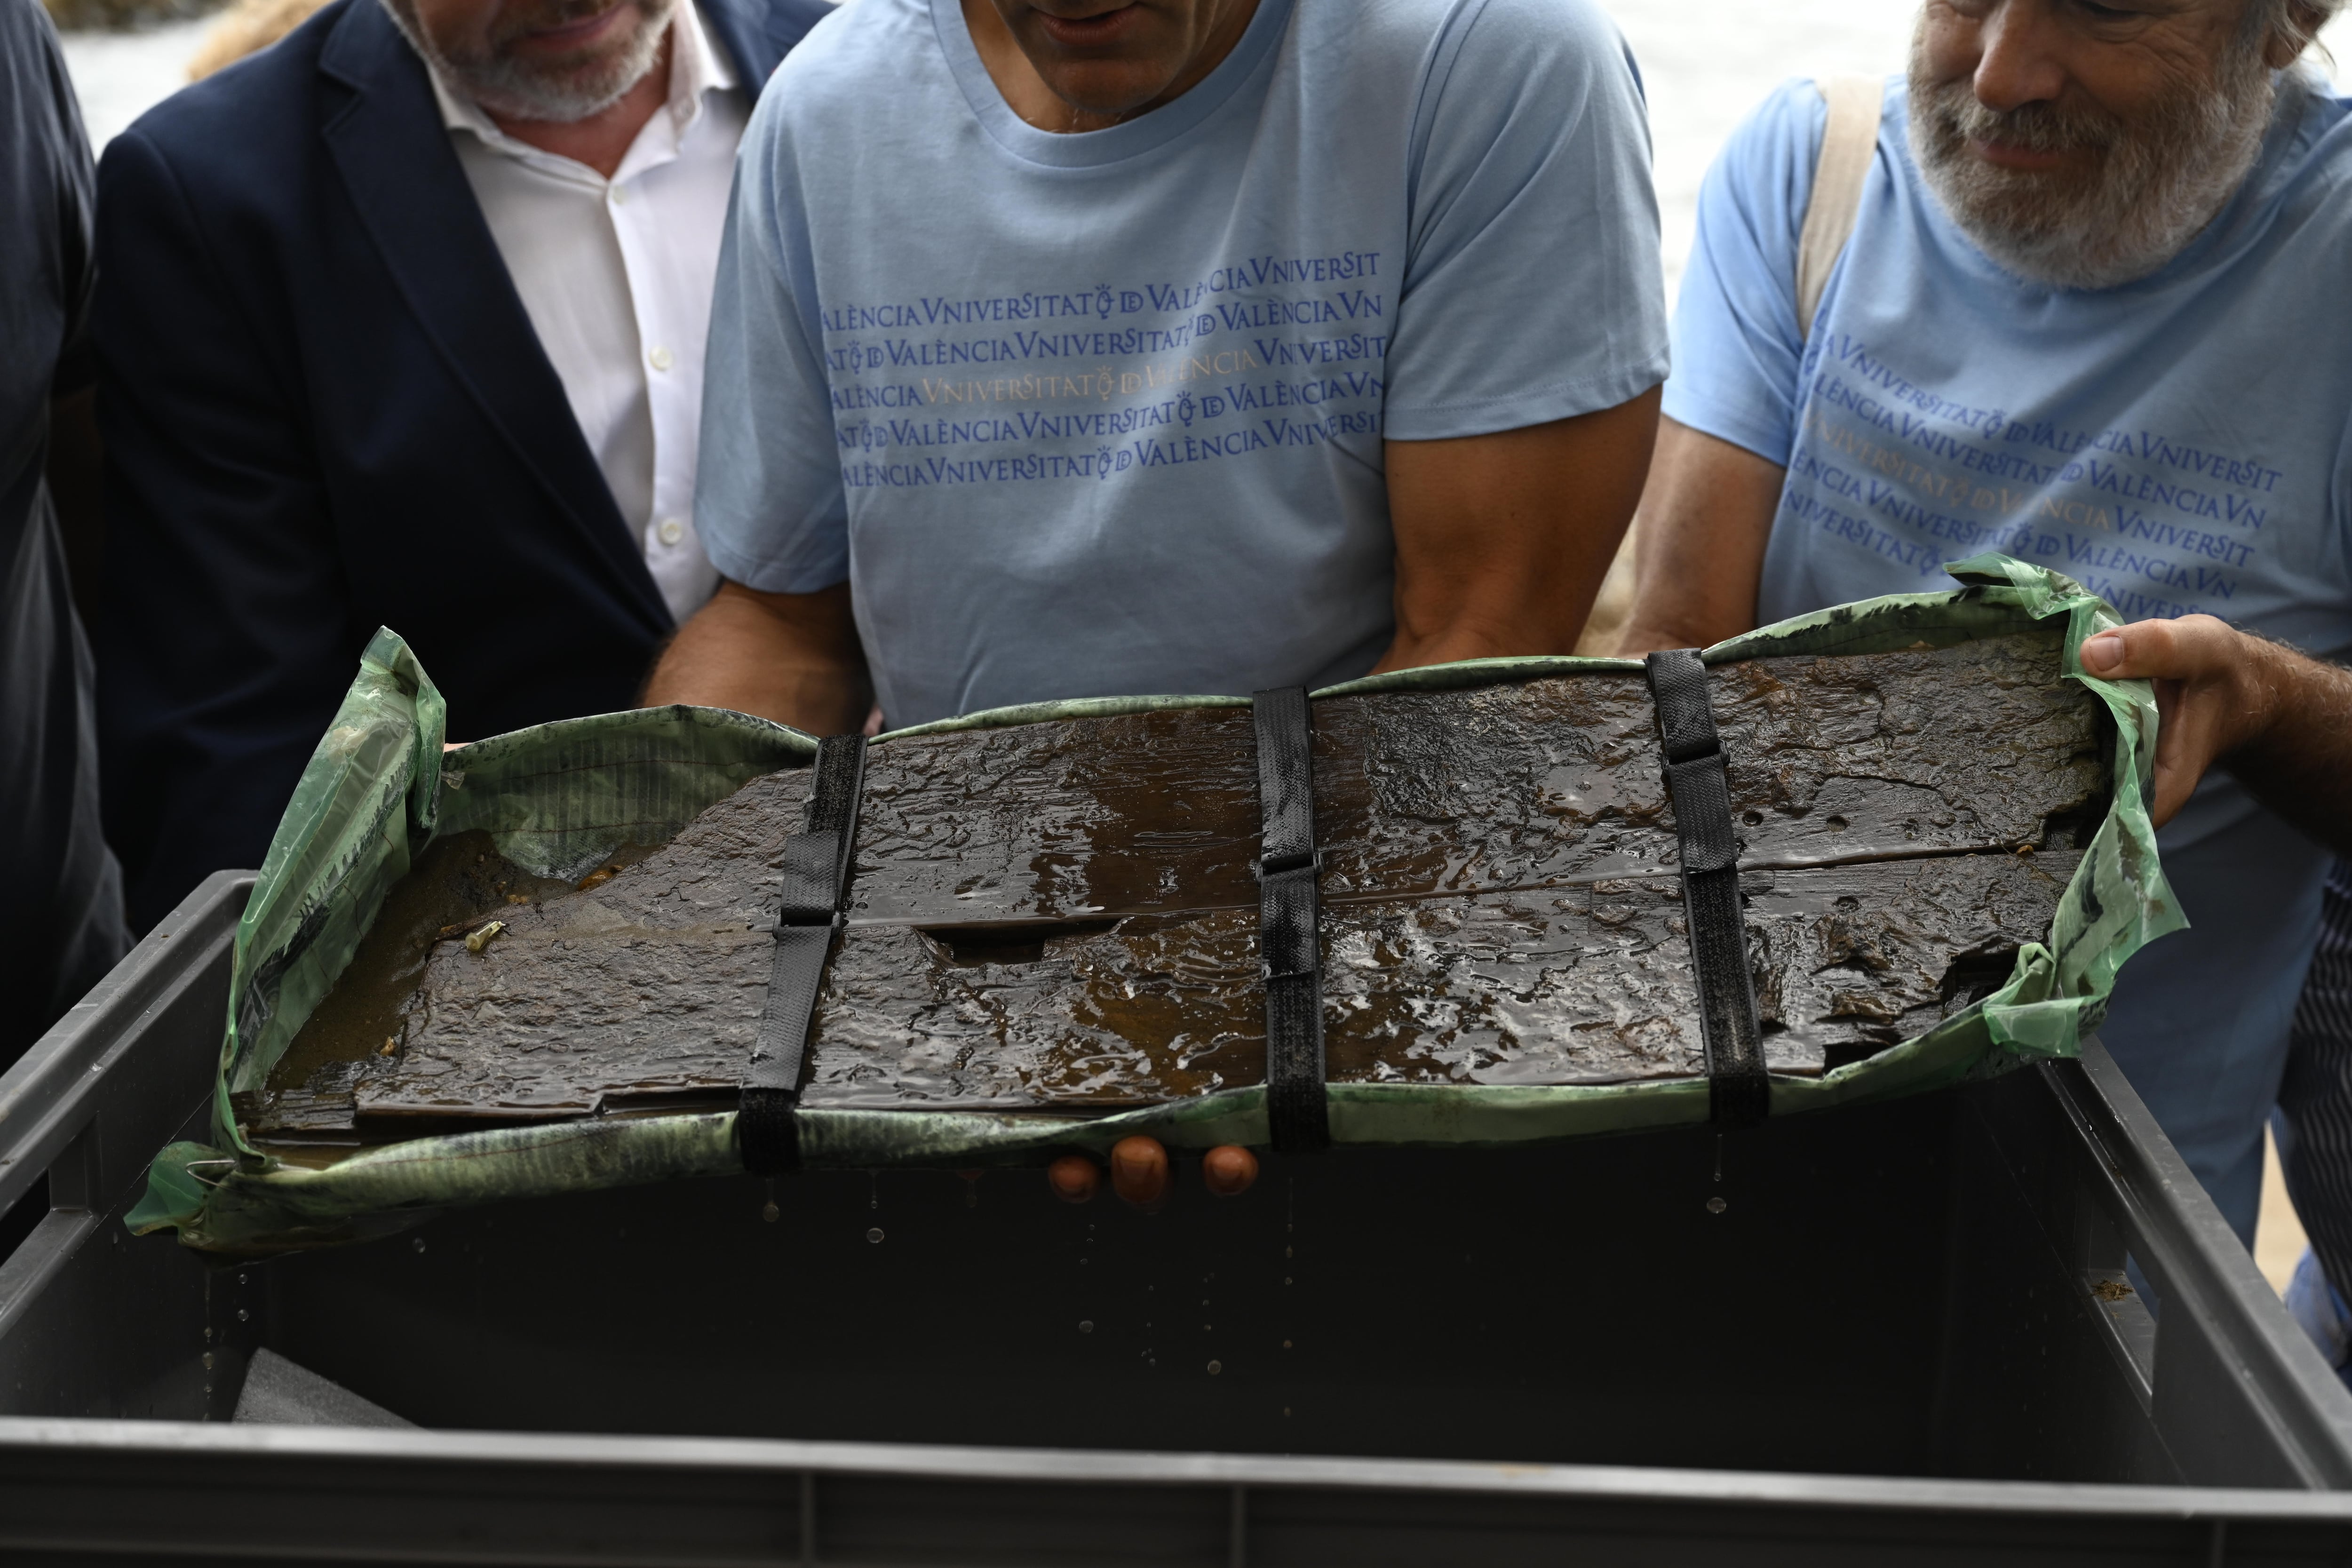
{"x":2159,"y":185}
{"x":503,"y":86}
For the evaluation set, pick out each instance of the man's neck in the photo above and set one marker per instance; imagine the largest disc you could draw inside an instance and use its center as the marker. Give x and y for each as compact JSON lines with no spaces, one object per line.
{"x":1027,"y":94}
{"x":605,"y":138}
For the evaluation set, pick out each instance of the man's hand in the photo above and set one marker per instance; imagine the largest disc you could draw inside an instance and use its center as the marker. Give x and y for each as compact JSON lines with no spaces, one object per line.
{"x":1502,"y":541}
{"x":792,"y":657}
{"x":2281,"y":721}
{"x":1139,"y":1173}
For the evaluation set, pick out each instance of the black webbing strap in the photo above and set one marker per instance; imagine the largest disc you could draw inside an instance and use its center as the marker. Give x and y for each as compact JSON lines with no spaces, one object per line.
{"x":1287,"y":917}
{"x":1738,"y":1091}
{"x":816,"y":886}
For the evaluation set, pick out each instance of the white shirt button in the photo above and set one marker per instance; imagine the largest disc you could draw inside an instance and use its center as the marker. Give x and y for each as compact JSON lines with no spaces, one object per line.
{"x":619,"y":195}
{"x":660,"y":359}
{"x":671,"y":531}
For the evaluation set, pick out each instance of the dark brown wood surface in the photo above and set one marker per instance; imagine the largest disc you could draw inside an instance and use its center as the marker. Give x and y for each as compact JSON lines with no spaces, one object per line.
{"x":1063,"y":914}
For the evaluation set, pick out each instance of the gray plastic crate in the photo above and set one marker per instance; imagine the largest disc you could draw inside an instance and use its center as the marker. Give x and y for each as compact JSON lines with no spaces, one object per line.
{"x":1895,"y":1342}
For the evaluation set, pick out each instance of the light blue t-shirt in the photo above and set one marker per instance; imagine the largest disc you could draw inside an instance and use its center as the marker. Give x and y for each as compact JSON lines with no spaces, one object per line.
{"x":2177,"y":443}
{"x":1102,"y":414}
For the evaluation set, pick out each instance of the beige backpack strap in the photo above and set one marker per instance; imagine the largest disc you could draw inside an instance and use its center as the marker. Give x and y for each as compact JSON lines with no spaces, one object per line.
{"x":1848,"y":145}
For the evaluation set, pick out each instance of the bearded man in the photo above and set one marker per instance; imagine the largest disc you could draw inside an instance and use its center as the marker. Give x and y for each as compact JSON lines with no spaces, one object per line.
{"x":2088,"y":315}
{"x":401,"y":324}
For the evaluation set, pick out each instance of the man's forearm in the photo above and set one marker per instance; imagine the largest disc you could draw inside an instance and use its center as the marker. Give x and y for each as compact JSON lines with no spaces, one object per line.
{"x":1502,"y":541}
{"x":792,"y":657}
{"x":1706,"y":517}
{"x":2300,"y":763}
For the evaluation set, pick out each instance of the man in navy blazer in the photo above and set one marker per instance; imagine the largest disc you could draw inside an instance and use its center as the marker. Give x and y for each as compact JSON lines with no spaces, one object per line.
{"x":350,"y":378}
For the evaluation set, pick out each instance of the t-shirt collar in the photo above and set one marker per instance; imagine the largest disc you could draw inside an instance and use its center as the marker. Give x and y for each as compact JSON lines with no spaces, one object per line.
{"x":1089,"y":148}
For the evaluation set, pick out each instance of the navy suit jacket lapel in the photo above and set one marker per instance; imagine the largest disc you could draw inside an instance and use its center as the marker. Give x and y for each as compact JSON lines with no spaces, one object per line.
{"x":387,"y":139}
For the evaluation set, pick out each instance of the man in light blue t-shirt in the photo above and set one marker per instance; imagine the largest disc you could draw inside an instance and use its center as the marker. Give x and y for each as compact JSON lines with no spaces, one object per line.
{"x":1068,"y":348}
{"x":1073,"y":348}
{"x":2090,"y":315}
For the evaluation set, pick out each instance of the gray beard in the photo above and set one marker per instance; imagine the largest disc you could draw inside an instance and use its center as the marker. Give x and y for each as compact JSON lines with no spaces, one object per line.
{"x":506,"y":87}
{"x":2159,"y":183}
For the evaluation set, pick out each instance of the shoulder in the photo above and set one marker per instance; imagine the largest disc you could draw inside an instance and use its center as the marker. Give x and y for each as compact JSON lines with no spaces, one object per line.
{"x":1783,"y":133}
{"x":37,"y":98}
{"x":1525,"y":40}
{"x":2318,"y":167}
{"x":857,"y":60}
{"x":242,"y":122}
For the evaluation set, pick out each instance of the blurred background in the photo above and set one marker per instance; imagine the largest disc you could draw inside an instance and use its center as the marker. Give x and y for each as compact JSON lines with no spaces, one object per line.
{"x":1705,"y":63}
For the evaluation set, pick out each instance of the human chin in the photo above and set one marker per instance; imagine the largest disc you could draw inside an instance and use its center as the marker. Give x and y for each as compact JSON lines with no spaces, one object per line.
{"x":1106,"y":63}
{"x":564,"y":68}
{"x":2123,"y":201}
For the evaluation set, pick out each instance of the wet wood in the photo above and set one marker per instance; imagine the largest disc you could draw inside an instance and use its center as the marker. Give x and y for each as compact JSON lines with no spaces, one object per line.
{"x":1975,"y":747}
{"x":1063,"y":914}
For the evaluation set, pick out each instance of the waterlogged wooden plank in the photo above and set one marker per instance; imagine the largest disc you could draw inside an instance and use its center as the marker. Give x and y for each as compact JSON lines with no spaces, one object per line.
{"x":1501,"y":905}
{"x":1590,"y":984}
{"x":1585,"y":984}
{"x":1548,"y":781}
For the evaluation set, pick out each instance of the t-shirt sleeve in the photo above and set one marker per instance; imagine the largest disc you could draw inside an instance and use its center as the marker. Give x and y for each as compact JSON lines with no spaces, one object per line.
{"x":769,"y":502}
{"x":1531,"y":288}
{"x":1738,"y":351}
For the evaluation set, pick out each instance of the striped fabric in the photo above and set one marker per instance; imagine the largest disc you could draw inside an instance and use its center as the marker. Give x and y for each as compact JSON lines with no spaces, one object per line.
{"x":2315,"y":1096}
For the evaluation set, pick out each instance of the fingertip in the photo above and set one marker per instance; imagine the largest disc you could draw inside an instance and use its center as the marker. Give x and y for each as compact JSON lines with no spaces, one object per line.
{"x":2104,"y":653}
{"x":1228,"y":1170}
{"x":1139,"y":1169}
{"x":1073,"y":1178}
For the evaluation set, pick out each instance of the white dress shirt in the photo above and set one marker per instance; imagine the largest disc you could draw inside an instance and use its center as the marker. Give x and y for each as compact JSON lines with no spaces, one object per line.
{"x":616,"y":276}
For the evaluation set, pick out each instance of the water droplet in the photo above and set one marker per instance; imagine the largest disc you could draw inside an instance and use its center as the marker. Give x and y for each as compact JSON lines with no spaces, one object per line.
{"x":1085,"y":1325}
{"x":418,"y":1244}
{"x":1717,"y":1206}
{"x":874,"y":1235}
{"x":1215,"y":1367}
{"x":1286,"y":1279}
{"x":1286,"y":1344}
{"x":770,"y":1212}
{"x":240,"y":1279}
{"x":208,"y":1361}
{"x":1286,"y":1410}
{"x":243,"y":1316}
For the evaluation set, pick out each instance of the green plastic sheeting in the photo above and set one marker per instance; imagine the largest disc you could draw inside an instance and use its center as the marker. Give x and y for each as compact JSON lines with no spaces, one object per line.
{"x":561,"y":797}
